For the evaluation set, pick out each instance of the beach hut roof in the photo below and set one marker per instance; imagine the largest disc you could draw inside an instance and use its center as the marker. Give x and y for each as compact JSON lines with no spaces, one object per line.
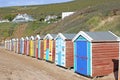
{"x":50,"y":36}
{"x":13,"y":39}
{"x":32,"y":38}
{"x":66,"y":36}
{"x":38,"y":36}
{"x":27,"y":38}
{"x":42,"y":37}
{"x":17,"y":39}
{"x":22,"y":38}
{"x":98,"y":36}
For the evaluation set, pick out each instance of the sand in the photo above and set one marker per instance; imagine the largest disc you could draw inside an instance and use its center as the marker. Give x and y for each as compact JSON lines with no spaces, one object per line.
{"x":15,"y":66}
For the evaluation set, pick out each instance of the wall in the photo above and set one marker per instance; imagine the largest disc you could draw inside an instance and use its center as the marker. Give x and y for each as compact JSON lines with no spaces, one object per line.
{"x":69,"y":54}
{"x":103,"y":55}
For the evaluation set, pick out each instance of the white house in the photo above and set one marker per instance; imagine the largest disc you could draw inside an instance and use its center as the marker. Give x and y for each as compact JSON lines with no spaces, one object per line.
{"x":5,"y":20}
{"x":49,"y":17}
{"x":23,"y":18}
{"x":65,"y":14}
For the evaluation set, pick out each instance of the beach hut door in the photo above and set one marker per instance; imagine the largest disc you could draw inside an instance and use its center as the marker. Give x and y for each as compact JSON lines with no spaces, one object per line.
{"x":47,"y":50}
{"x":82,"y":57}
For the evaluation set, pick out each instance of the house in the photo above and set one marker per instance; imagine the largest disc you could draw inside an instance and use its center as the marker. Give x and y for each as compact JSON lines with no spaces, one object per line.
{"x":23,"y":18}
{"x":49,"y":47}
{"x":3,"y":21}
{"x":94,"y":53}
{"x":66,"y":14}
{"x":64,"y":50}
{"x":49,"y":17}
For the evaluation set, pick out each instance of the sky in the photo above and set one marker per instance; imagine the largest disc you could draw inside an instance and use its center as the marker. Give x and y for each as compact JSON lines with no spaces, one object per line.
{"x":6,"y":3}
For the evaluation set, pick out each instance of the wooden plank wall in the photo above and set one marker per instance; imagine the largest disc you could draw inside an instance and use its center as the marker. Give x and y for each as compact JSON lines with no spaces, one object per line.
{"x":18,"y":46}
{"x":119,"y":63}
{"x":104,"y":57}
{"x":69,"y":54}
{"x":28,"y":47}
{"x":41,"y":49}
{"x":53,"y":51}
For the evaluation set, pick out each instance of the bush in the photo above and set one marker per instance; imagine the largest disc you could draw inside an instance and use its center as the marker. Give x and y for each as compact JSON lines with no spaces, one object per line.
{"x":9,"y":17}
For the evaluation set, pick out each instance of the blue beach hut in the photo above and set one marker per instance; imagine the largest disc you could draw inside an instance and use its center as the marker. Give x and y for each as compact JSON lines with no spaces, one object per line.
{"x":22,"y":45}
{"x":64,"y":50}
{"x":94,"y":52}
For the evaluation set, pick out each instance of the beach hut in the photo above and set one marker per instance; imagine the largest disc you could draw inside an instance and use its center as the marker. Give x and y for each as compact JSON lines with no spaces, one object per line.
{"x":10,"y":46}
{"x":64,"y":50}
{"x":49,"y":47}
{"x":32,"y":51}
{"x":41,"y":46}
{"x":17,"y":45}
{"x":119,"y":61}
{"x":94,"y":53}
{"x":37,"y":46}
{"x":27,"y":45}
{"x":5,"y":44}
{"x":22,"y":45}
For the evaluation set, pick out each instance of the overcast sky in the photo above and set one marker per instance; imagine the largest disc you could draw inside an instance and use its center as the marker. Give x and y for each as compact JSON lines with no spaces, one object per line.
{"x":5,"y":3}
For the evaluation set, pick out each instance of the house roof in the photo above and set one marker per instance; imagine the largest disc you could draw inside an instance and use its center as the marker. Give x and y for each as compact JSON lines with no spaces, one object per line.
{"x":22,"y":38}
{"x":32,"y":38}
{"x":37,"y":36}
{"x":42,"y":37}
{"x":50,"y":36}
{"x":23,"y":18}
{"x":27,"y":38}
{"x":17,"y":39}
{"x":13,"y":39}
{"x":66,"y":36}
{"x":97,"y":36}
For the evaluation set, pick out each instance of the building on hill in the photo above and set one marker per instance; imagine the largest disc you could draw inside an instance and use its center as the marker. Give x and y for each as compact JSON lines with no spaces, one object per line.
{"x":4,"y":20}
{"x":23,"y":18}
{"x":50,"y":17}
{"x":65,"y":14}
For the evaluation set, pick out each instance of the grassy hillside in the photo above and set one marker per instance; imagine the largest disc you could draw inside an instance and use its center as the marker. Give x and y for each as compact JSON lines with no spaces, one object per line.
{"x":43,"y":10}
{"x":91,"y":15}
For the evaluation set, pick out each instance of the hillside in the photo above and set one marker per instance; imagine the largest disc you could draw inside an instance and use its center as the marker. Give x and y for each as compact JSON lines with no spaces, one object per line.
{"x":95,"y":15}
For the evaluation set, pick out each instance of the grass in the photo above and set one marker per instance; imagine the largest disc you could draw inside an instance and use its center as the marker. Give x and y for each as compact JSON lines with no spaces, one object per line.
{"x":89,"y":14}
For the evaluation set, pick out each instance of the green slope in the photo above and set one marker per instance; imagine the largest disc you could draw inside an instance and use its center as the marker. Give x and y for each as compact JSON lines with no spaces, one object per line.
{"x":91,"y":15}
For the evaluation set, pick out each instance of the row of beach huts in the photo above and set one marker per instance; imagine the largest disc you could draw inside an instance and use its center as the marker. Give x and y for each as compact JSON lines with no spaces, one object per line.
{"x":88,"y":53}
